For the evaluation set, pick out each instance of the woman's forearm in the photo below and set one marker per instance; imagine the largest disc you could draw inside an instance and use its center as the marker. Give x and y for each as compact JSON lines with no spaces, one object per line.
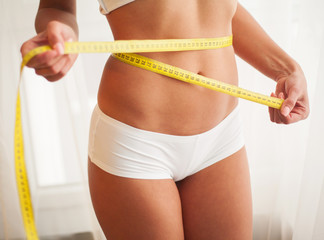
{"x":60,"y":10}
{"x":55,"y":24}
{"x":252,"y":44}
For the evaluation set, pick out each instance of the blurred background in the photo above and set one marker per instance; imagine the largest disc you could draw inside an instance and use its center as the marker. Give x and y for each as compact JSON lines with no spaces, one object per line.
{"x":286,"y":162}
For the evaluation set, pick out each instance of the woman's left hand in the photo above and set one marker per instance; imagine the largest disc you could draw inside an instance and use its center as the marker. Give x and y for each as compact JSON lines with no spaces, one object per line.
{"x":293,"y":89}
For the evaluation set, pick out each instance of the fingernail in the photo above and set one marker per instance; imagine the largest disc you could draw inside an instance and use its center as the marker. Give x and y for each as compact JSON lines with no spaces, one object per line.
{"x":59,"y":47}
{"x":285,"y":111}
{"x":281,"y":95}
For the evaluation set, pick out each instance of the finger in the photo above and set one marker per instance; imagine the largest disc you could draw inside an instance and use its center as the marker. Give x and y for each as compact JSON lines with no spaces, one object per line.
{"x":291,"y":118}
{"x":294,"y":116}
{"x":277,"y":118}
{"x":43,"y":60}
{"x":54,"y":72}
{"x":66,"y":66}
{"x":69,"y":63}
{"x":280,"y":87}
{"x":290,"y":102}
{"x":297,"y":114}
{"x":55,"y":37}
{"x":40,"y":60}
{"x":36,"y":41}
{"x":281,"y":95}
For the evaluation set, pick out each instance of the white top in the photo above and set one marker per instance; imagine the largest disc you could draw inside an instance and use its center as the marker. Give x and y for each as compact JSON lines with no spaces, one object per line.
{"x":106,"y":6}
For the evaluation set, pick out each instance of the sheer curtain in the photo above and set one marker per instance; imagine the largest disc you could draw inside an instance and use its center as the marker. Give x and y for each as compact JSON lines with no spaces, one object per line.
{"x":286,"y":162}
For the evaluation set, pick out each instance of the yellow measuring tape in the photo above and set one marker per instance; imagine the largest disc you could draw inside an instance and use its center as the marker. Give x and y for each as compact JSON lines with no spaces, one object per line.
{"x":187,"y":76}
{"x":21,"y":177}
{"x":123,"y":50}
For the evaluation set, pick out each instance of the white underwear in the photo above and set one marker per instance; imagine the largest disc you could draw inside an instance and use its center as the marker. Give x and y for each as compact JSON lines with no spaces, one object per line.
{"x":126,"y":151}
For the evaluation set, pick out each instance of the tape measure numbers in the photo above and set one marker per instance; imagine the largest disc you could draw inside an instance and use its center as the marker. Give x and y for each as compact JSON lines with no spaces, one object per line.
{"x":21,"y":178}
{"x":130,"y":46}
{"x":122,"y":50}
{"x":187,"y":76}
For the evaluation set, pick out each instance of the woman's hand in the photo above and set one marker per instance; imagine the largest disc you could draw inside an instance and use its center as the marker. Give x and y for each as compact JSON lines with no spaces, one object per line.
{"x":54,"y":64}
{"x":293,"y":89}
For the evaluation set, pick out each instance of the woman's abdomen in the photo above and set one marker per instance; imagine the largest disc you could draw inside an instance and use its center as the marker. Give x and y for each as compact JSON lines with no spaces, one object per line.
{"x":154,"y":102}
{"x":157,"y":103}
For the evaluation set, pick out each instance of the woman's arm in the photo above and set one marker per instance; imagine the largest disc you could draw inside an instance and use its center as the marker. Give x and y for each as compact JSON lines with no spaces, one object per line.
{"x":252,"y":44}
{"x":63,"y":11}
{"x":55,"y":23}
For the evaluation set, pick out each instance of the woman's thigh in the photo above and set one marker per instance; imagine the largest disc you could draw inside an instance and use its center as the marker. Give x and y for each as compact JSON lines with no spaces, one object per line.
{"x":134,"y":208}
{"x":216,"y":202}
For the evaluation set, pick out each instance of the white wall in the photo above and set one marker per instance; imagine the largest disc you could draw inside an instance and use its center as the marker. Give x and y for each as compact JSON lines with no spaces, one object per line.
{"x":55,"y":121}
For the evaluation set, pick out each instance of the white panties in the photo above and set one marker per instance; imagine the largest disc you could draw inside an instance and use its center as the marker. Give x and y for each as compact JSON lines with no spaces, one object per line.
{"x":126,"y":151}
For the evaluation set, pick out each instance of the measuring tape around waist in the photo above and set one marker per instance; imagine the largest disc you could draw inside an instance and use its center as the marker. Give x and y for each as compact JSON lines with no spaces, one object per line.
{"x":196,"y":79}
{"x":132,"y":46}
{"x":123,"y":50}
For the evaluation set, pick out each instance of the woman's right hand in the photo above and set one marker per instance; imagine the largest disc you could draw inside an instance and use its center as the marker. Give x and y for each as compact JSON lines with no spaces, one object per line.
{"x":53,"y":64}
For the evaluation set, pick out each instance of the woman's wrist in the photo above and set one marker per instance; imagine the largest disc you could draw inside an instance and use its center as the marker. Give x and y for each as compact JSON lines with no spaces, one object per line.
{"x":47,"y":15}
{"x":285,"y":68}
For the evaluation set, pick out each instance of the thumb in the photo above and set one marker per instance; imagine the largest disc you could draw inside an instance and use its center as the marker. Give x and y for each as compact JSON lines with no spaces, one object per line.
{"x":289,"y":102}
{"x":55,"y":37}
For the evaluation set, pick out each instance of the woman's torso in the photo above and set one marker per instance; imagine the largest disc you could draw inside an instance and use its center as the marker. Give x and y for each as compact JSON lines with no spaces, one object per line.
{"x":157,"y":103}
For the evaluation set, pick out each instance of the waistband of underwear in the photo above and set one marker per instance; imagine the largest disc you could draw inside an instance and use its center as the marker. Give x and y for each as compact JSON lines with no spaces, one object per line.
{"x":234,"y":115}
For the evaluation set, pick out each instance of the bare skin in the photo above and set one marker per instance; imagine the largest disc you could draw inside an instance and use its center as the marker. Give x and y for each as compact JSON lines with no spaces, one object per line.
{"x":214,"y":203}
{"x":147,"y":100}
